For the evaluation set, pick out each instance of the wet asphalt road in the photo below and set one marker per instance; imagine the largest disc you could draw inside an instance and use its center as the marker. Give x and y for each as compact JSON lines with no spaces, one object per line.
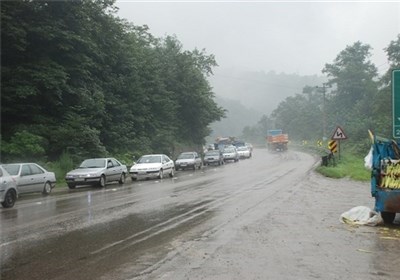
{"x":268,"y":217}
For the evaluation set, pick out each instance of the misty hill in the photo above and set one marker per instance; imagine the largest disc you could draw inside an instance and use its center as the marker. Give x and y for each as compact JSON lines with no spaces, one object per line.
{"x":260,"y":91}
{"x":237,"y":117}
{"x":249,"y":95}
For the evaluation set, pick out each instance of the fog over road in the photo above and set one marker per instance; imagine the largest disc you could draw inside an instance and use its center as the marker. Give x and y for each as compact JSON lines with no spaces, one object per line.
{"x":268,"y":217}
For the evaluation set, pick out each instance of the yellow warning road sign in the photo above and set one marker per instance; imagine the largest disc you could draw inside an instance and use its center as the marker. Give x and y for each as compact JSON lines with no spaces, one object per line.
{"x":332,"y":145}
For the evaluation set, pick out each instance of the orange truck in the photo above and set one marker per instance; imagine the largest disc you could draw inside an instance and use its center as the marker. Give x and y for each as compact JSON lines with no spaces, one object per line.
{"x":277,"y":140}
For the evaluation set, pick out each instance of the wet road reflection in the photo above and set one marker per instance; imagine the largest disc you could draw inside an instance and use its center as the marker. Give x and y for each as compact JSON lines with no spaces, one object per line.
{"x":261,"y":213}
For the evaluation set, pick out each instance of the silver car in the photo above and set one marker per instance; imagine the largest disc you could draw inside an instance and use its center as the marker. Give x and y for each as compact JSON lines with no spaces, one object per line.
{"x":31,"y":177}
{"x":190,"y":160}
{"x":213,"y":157}
{"x":97,"y":171}
{"x":8,"y":189}
{"x":230,"y":153}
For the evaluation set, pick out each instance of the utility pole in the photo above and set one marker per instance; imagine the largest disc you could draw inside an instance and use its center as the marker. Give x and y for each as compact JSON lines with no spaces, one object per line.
{"x":324,"y":87}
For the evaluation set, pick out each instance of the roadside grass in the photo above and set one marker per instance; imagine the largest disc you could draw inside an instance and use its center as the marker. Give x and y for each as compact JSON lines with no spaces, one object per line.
{"x":61,"y":167}
{"x":350,"y":166}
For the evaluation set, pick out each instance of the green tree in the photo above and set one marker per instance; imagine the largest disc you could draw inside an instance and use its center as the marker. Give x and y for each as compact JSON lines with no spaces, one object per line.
{"x":89,"y":83}
{"x":186,"y":84}
{"x":353,"y":78}
{"x":382,"y":102}
{"x":300,"y":116}
{"x":52,"y":63}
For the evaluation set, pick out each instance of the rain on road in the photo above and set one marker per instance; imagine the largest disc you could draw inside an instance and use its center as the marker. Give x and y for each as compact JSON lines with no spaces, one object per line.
{"x":268,"y":217}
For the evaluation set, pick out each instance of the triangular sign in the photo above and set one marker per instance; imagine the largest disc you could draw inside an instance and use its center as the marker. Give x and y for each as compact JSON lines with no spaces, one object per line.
{"x":338,"y":134}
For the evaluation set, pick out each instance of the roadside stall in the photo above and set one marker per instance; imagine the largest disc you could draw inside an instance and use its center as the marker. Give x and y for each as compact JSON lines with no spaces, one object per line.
{"x":385,"y":177}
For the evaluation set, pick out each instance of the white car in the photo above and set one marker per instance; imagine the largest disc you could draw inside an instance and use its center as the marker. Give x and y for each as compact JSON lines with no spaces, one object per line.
{"x":8,"y":189}
{"x":97,"y":171}
{"x":190,"y":160}
{"x":244,"y":152}
{"x":31,"y":177}
{"x":152,"y":166}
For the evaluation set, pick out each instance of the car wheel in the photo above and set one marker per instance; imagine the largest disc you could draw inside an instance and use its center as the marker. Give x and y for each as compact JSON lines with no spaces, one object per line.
{"x":71,"y":186}
{"x":47,"y":188}
{"x":133,"y":179}
{"x":388,"y":217}
{"x":161,"y":174}
{"x":9,"y":199}
{"x":200,"y":166}
{"x":122,"y":179}
{"x":102,"y":181}
{"x":172,"y":173}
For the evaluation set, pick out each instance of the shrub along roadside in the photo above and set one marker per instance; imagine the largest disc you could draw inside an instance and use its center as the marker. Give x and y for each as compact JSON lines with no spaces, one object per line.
{"x":349,"y":165}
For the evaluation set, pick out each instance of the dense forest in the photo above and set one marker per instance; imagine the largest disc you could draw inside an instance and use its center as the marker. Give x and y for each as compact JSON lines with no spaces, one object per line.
{"x":354,"y":97}
{"x":78,"y":80}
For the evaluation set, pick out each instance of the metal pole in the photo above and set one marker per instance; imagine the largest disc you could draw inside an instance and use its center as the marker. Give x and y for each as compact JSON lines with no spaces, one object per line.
{"x":324,"y":113}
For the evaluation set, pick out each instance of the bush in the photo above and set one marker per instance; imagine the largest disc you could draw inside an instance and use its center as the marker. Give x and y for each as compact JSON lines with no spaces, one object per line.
{"x":62,"y":166}
{"x":349,"y":165}
{"x":23,"y":146}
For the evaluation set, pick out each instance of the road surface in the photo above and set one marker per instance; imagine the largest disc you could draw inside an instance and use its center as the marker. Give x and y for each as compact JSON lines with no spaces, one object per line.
{"x":268,"y":217}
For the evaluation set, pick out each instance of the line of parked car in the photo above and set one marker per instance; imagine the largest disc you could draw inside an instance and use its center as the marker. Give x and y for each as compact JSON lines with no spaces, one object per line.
{"x":19,"y":178}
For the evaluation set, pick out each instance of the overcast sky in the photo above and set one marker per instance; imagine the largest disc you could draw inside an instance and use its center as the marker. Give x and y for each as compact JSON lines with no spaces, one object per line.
{"x":283,"y":36}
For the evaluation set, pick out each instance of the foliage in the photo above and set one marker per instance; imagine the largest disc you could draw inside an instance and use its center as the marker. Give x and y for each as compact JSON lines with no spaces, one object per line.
{"x":78,"y":79}
{"x":60,"y":167}
{"x":23,"y":146}
{"x":354,"y":97}
{"x":349,"y":166}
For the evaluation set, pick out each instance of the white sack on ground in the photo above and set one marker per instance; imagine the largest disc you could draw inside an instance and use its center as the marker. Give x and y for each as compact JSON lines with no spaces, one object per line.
{"x":361,"y":215}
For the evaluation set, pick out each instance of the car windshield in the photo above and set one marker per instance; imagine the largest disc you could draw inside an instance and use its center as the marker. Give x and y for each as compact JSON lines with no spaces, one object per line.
{"x":93,"y":163}
{"x":12,"y":169}
{"x":229,"y":150}
{"x":150,"y":159}
{"x":185,"y":156}
{"x":212,"y":153}
{"x":242,"y":148}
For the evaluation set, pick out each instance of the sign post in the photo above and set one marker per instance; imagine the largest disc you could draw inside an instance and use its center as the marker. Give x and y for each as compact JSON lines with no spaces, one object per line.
{"x":339,"y":135}
{"x":396,"y":103}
